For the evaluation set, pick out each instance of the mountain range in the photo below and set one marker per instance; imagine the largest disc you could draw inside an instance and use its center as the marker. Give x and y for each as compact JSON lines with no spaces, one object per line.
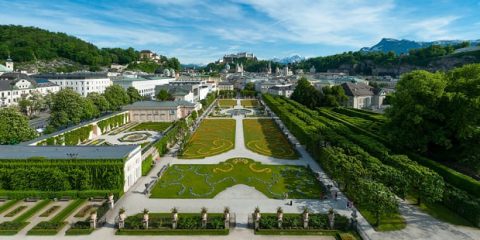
{"x":403,"y":45}
{"x":287,"y":60}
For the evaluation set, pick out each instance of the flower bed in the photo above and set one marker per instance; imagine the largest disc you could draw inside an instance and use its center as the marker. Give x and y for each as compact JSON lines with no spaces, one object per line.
{"x":49,"y":211}
{"x":16,"y":211}
{"x":135,"y":137}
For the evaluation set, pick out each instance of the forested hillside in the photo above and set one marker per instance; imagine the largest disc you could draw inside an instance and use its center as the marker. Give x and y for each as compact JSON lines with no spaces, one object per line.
{"x":25,"y":44}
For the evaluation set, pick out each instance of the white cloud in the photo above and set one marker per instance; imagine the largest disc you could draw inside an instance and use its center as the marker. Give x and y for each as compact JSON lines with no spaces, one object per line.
{"x":434,"y":28}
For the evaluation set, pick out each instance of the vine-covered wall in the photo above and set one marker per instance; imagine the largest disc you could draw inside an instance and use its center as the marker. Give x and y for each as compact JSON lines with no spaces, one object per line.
{"x":113,"y":122}
{"x":61,"y":174}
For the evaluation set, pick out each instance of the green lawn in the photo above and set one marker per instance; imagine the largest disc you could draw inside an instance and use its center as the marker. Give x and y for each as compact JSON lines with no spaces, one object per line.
{"x":249,"y":103}
{"x":387,"y":223}
{"x":264,"y":137}
{"x":206,"y":181}
{"x":152,"y":126}
{"x":212,"y":137}
{"x":227,"y":103}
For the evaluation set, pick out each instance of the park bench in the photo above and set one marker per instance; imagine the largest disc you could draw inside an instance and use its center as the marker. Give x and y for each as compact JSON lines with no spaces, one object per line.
{"x":64,"y":199}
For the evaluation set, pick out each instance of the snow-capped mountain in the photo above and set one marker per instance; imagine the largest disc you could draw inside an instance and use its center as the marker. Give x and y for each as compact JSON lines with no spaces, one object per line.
{"x":287,"y":60}
{"x":403,"y":46}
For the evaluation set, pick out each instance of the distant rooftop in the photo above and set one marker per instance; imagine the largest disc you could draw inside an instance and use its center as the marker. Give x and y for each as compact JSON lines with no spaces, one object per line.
{"x":157,"y":104}
{"x":66,"y":152}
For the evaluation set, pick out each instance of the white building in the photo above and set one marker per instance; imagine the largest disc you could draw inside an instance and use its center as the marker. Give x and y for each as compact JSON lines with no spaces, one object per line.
{"x":14,"y":86}
{"x":360,"y":95}
{"x":7,"y":68}
{"x":145,"y":85}
{"x":222,"y":86}
{"x":282,"y":90}
{"x":81,"y":82}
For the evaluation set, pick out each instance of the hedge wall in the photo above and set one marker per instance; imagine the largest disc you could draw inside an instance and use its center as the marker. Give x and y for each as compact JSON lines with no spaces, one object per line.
{"x":113,"y":122}
{"x":61,"y":174}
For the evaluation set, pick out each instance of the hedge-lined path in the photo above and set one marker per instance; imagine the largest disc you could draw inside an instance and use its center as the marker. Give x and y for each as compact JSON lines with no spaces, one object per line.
{"x":35,"y":219}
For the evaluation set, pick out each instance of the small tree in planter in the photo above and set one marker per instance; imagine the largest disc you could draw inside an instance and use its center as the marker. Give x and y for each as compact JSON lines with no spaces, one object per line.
{"x":331,"y":217}
{"x":121,"y":218}
{"x":204,"y":217}
{"x":174,"y":217}
{"x":306,"y":216}
{"x":145,"y":218}
{"x":280,"y":216}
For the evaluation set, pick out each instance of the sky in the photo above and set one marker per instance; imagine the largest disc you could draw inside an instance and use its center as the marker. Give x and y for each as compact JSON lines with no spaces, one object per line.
{"x":202,"y":31}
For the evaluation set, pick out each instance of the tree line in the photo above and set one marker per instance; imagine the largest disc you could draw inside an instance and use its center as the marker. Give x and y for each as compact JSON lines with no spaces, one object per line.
{"x":308,"y":95}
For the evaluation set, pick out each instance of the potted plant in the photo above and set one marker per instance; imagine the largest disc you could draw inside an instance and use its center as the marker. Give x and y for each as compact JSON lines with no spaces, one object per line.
{"x":121,"y":214}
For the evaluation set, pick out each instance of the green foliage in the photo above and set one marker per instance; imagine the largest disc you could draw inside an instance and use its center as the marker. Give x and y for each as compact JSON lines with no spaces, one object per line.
{"x":116,"y":97}
{"x":147,"y":165}
{"x":61,"y":175}
{"x":164,"y":95}
{"x":7,"y":205}
{"x":26,"y":215}
{"x":99,"y":100}
{"x":133,"y":94}
{"x":14,"y":127}
{"x":62,"y":215}
{"x":28,"y":44}
{"x":68,"y":108}
{"x":152,"y":126}
{"x":307,"y":95}
{"x":463,"y":204}
{"x":112,"y":122}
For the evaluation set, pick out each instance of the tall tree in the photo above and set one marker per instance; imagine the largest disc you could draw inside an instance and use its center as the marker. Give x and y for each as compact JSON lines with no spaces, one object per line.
{"x":67,"y":108}
{"x":133,"y":94}
{"x":163,"y":95}
{"x":99,"y":100}
{"x":14,"y":127}
{"x":116,"y":97}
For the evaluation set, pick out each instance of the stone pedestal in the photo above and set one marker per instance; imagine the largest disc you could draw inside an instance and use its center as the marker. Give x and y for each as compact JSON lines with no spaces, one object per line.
{"x":111,"y":201}
{"x":145,"y":221}
{"x":93,"y":221}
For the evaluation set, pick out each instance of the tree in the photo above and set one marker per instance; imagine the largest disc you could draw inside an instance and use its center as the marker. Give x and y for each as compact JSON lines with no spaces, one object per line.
{"x":90,"y":110}
{"x":25,"y":105}
{"x":414,"y":119}
{"x":14,"y":127}
{"x":99,"y":100}
{"x":67,"y":108}
{"x":376,"y":198}
{"x":133,"y":94}
{"x":306,"y":94}
{"x":333,"y":96}
{"x":116,"y":97}
{"x":164,"y":95}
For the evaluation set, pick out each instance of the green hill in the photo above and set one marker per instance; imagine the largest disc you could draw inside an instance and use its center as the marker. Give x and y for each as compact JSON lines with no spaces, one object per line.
{"x":27,"y":44}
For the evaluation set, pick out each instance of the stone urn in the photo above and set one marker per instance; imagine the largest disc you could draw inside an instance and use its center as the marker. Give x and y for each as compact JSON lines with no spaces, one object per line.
{"x":93,"y":219}
{"x":279,"y":217}
{"x":226,"y":217}
{"x":121,"y":218}
{"x":331,"y":218}
{"x":306,"y":217}
{"x":256,"y":217}
{"x":146,"y":217}
{"x":204,"y":217}
{"x":110,"y":200}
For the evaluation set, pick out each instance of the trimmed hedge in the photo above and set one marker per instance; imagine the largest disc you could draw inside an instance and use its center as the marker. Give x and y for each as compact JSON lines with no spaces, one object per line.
{"x":463,"y":204}
{"x":112,"y":122}
{"x":30,"y":212}
{"x":173,"y":232}
{"x":55,"y":224}
{"x":11,"y":228}
{"x":4,"y":207}
{"x":147,"y":165}
{"x":296,"y":232}
{"x":59,"y":194}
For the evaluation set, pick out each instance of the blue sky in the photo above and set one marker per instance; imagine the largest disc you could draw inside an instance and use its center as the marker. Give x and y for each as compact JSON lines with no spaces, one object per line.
{"x":199,"y":31}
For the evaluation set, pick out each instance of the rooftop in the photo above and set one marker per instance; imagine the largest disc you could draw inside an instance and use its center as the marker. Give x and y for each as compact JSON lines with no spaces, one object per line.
{"x":72,"y":76}
{"x":66,"y":152}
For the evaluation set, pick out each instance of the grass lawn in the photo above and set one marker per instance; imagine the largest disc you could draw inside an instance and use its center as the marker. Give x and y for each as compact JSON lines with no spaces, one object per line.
{"x":152,"y":126}
{"x":207,"y":180}
{"x":227,"y":103}
{"x":250,"y":103}
{"x":441,"y":213}
{"x":264,"y":137}
{"x":212,"y":137}
{"x":387,"y":223}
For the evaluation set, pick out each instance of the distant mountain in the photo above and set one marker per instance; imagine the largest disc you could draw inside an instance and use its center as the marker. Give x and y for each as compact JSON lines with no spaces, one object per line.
{"x":287,"y":60}
{"x":403,"y":46}
{"x":193,"y":65}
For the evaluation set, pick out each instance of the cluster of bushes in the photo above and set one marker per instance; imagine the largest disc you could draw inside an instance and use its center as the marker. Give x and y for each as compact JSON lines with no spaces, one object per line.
{"x":295,"y":221}
{"x":112,"y":122}
{"x":54,"y":175}
{"x":14,"y":194}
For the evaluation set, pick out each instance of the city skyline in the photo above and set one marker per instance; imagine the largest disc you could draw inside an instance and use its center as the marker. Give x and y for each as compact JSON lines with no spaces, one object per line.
{"x":202,"y":32}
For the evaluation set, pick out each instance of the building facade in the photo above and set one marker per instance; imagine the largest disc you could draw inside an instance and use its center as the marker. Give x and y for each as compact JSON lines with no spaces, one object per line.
{"x":14,"y":86}
{"x":160,"y":111}
{"x":82,"y":82}
{"x":145,"y":84}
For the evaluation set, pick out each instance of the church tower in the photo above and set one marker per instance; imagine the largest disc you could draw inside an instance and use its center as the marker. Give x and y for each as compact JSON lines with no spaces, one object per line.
{"x":269,"y":69}
{"x":9,"y":63}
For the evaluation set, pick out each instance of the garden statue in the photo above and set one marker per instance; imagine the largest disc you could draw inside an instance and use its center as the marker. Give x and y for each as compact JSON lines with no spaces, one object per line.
{"x":174,"y":218}
{"x":110,"y":200}
{"x":204,"y":217}
{"x":256,"y":217}
{"x":279,"y":217}
{"x":226,"y":215}
{"x":305,"y":217}
{"x":354,"y":218}
{"x":145,"y":218}
{"x":121,"y":218}
{"x":93,"y":219}
{"x":331,"y":218}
